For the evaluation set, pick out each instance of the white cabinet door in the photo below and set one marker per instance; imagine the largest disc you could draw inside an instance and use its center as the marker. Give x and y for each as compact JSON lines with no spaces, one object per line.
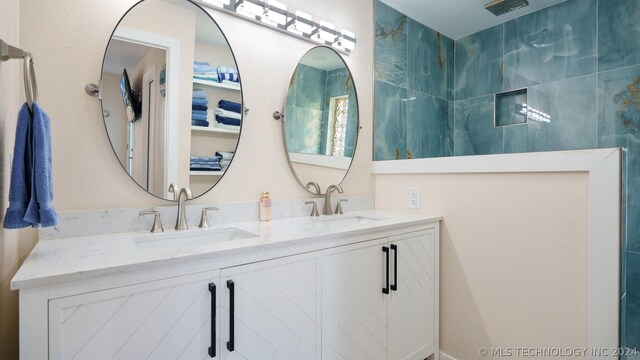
{"x":275,"y":310}
{"x":412,"y":321}
{"x":166,"y":319}
{"x":354,"y":307}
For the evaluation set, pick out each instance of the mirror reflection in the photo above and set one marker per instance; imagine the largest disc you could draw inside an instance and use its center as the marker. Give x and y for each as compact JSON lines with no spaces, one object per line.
{"x":171,"y":97}
{"x":321,"y":119}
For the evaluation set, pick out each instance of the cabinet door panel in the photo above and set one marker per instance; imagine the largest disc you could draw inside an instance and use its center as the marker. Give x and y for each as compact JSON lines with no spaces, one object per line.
{"x":275,"y":310}
{"x":158,"y":320}
{"x":411,"y":306}
{"x":354,"y":309}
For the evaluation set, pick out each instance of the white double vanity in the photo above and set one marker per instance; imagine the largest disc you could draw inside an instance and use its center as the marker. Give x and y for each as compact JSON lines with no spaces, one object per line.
{"x":363,"y":285}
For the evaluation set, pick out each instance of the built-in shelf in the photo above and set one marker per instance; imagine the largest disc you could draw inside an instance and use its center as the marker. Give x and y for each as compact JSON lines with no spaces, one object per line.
{"x":215,"y":130}
{"x":206,"y":173}
{"x":216,"y":85}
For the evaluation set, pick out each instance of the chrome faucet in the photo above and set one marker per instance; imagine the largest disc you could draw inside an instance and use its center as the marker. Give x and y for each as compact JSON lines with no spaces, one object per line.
{"x":327,"y":198}
{"x":181,"y":221}
{"x":314,"y":185}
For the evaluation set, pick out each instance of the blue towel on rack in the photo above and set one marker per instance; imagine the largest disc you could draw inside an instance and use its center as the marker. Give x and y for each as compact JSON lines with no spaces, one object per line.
{"x":199,"y":107}
{"x":230,"y":106}
{"x":199,"y":112}
{"x":228,"y":121}
{"x":20,"y":188}
{"x":31,"y":189}
{"x":199,"y":102}
{"x":199,"y":94}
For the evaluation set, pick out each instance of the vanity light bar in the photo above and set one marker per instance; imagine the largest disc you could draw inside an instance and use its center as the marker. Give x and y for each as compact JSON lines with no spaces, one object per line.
{"x":273,"y":14}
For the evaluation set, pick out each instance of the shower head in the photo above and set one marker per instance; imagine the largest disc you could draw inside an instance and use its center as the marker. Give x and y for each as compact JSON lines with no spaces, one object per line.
{"x":501,"y":7}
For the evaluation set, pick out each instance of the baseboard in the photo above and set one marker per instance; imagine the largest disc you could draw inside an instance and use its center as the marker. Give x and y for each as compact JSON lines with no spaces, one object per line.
{"x":445,"y":356}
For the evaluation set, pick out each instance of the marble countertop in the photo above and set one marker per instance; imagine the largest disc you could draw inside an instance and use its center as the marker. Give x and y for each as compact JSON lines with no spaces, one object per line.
{"x":62,"y":260}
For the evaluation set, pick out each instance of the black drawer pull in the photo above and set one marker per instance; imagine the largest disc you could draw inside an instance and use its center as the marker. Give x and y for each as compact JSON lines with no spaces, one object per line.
{"x":385,"y":290}
{"x":212,"y":348}
{"x":231,"y":342}
{"x":394,"y":287}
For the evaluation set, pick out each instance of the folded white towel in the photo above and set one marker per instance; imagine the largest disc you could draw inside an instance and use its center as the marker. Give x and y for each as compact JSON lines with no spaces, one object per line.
{"x":226,"y":113}
{"x":225,"y":126}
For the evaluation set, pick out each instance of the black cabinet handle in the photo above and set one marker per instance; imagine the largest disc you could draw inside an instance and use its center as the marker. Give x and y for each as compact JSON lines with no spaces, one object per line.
{"x":394,"y":287}
{"x":385,"y":290}
{"x":212,"y":348}
{"x":231,"y":342}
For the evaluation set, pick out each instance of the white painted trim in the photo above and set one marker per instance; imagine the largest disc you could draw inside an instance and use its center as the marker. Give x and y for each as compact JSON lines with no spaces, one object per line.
{"x":555,"y":161}
{"x":604,"y":211}
{"x":335,"y":162}
{"x":172,"y":104}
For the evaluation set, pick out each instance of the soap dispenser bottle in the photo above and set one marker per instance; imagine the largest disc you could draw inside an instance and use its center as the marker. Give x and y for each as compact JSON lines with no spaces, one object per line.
{"x":265,"y":207}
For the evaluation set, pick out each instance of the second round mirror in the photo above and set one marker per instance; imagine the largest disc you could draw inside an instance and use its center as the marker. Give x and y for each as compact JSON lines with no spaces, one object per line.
{"x":321,"y":120}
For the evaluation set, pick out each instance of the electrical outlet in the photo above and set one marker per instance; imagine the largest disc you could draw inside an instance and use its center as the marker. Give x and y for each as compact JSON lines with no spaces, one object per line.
{"x":414,"y":198}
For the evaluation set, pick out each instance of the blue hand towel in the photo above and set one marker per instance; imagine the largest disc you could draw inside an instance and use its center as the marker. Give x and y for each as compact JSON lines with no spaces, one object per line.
{"x":40,"y":209}
{"x":199,"y":107}
{"x":201,"y":63}
{"x":199,"y":112}
{"x":20,"y":188}
{"x":228,"y":121}
{"x":32,"y":162}
{"x":230,"y":106}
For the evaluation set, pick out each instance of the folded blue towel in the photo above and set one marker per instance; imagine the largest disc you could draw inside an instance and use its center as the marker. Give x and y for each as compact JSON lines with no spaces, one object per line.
{"x":225,"y":69}
{"x":230,"y":106}
{"x":225,"y":155}
{"x":199,"y":112}
{"x":31,"y":189}
{"x":199,"y":107}
{"x":201,"y":63}
{"x":212,"y":77}
{"x":204,"y":70}
{"x":200,"y":123}
{"x":217,"y":167}
{"x":199,"y":94}
{"x":198,"y":117}
{"x":199,"y":102}
{"x":229,"y":77}
{"x":205,"y":158}
{"x":228,"y":121}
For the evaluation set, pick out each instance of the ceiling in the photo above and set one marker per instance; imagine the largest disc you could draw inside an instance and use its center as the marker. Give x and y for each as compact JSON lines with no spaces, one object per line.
{"x":323,"y":59}
{"x":459,"y":18}
{"x":123,"y":55}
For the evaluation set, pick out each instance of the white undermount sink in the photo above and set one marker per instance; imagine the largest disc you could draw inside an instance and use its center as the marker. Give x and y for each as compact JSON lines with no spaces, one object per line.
{"x":348,"y":220}
{"x":189,"y":238}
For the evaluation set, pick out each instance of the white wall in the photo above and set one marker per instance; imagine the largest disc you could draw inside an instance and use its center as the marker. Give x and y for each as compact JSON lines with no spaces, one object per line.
{"x":68,"y":40}
{"x":513,"y":256}
{"x":14,"y":244}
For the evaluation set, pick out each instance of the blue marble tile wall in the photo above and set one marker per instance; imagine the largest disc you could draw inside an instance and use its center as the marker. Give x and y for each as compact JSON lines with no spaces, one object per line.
{"x":304,"y":109}
{"x":579,"y":60}
{"x":413,"y":88}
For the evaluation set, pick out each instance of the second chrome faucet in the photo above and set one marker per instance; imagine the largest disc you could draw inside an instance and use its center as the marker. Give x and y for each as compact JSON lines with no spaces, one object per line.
{"x":181,"y":221}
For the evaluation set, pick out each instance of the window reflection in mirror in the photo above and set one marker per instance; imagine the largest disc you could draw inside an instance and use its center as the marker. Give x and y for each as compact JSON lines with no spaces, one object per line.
{"x":321,"y":118}
{"x":166,"y":68}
